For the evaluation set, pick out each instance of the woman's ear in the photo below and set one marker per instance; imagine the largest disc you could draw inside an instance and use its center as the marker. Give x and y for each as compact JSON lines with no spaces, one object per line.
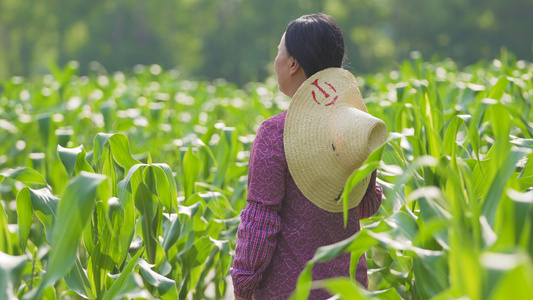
{"x":294,"y":66}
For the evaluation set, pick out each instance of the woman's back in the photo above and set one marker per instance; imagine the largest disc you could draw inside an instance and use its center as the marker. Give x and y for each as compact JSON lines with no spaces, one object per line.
{"x":299,"y":226}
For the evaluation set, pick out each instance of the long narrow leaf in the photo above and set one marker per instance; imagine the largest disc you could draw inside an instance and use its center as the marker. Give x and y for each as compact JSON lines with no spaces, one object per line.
{"x":114,"y":290}
{"x":72,"y":218}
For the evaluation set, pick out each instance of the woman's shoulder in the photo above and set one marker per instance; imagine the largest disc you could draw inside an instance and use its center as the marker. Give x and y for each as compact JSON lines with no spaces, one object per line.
{"x":271,"y":129}
{"x":275,"y":122}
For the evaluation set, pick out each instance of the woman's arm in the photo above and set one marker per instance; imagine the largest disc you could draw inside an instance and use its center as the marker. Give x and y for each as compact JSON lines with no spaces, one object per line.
{"x":260,"y":220}
{"x":372,"y":199}
{"x":255,"y":246}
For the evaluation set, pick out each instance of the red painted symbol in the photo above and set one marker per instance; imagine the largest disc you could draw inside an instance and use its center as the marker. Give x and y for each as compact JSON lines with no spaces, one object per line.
{"x":315,"y":83}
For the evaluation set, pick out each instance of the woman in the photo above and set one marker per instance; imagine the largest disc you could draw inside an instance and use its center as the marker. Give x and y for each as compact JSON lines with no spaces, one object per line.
{"x":293,"y":184}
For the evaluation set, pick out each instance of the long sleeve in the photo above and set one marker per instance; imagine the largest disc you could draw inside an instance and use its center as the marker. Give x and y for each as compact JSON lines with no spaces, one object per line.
{"x":372,"y":199}
{"x":260,"y":219}
{"x":255,"y":247}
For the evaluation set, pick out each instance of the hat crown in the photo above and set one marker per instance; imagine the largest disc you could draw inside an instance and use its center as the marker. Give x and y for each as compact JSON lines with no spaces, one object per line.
{"x":358,"y":133}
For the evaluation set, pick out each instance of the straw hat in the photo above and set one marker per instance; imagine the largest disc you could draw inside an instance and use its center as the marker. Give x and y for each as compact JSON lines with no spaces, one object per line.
{"x":328,"y":134}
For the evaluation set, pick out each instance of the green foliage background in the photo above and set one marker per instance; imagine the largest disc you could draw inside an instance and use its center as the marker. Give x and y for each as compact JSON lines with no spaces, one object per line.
{"x":116,"y":186}
{"x":237,"y":39}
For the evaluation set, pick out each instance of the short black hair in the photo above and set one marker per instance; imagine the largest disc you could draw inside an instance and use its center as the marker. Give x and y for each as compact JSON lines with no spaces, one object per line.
{"x":316,"y":42}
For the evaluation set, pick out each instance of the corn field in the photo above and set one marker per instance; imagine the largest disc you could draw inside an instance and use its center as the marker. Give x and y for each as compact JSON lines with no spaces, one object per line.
{"x":121,"y":185}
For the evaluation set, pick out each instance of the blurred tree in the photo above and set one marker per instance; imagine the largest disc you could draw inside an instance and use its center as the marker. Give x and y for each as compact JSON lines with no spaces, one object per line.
{"x":237,"y":39}
{"x":249,"y":31}
{"x":466,"y":30}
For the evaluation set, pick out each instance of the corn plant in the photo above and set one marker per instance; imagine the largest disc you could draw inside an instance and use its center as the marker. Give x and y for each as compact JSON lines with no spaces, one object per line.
{"x":130,"y":186}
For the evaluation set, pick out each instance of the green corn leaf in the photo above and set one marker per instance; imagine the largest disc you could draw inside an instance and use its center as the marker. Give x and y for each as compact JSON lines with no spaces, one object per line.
{"x":205,"y":269}
{"x":303,"y":285}
{"x":104,"y":161}
{"x":401,"y":90}
{"x":74,"y":160}
{"x":201,"y":249}
{"x":120,"y":147}
{"x":216,"y":202}
{"x":525,"y":178}
{"x":108,"y":111}
{"x":473,"y":128}
{"x":521,"y":205}
{"x":68,"y":157}
{"x":165,"y":287}
{"x":114,"y":290}
{"x":11,"y":268}
{"x":107,"y":252}
{"x":515,"y":284}
{"x":162,"y":187}
{"x":490,"y":204}
{"x":50,"y":293}
{"x":188,"y":216}
{"x":43,"y":203}
{"x":223,"y":248}
{"x":196,"y":258}
{"x":408,"y":174}
{"x":126,"y":189}
{"x":57,"y":176}
{"x":25,"y":215}
{"x":404,"y":225}
{"x":496,"y":91}
{"x":224,"y":154}
{"x":450,"y":139}
{"x":5,"y":235}
{"x":345,"y":288}
{"x":464,"y":266}
{"x":25,"y":175}
{"x":146,"y":203}
{"x":154,"y":218}
{"x":526,"y":143}
{"x":371,"y":163}
{"x":173,"y":234}
{"x":434,"y":216}
{"x":388,"y":294}
{"x":116,"y":218}
{"x":76,"y":279}
{"x":191,"y":170}
{"x":451,"y":135}
{"x":358,"y":244}
{"x":72,"y":217}
{"x":133,"y":286}
{"x":172,"y":186}
{"x":101,"y":147}
{"x":501,"y":126}
{"x":431,"y":202}
{"x":433,"y":121}
{"x":44,"y":129}
{"x":509,"y":273}
{"x":98,"y":265}
{"x":430,"y":270}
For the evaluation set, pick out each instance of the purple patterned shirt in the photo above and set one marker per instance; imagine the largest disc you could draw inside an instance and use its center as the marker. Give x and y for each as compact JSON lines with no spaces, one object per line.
{"x":281,"y":229}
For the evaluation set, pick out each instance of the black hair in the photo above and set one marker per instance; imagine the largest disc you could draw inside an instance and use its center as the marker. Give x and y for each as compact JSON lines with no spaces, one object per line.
{"x":316,"y":42}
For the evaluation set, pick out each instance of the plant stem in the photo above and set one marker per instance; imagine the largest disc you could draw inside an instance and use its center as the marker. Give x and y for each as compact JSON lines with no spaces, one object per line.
{"x":33,"y":268}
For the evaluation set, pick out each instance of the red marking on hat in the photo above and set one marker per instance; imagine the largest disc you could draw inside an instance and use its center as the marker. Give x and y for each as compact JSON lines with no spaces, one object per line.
{"x":332,"y":102}
{"x":330,"y":86}
{"x":314,"y":97}
{"x":315,"y":83}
